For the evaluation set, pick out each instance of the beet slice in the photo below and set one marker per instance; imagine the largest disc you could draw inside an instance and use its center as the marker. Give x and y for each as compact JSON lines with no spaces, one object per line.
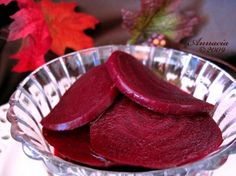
{"x":74,"y":146}
{"x":141,"y":85}
{"x":130,"y":134}
{"x":85,"y":100}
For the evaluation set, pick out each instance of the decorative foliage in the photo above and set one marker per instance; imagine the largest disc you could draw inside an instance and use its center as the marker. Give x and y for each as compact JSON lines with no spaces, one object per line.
{"x":66,"y":26}
{"x":44,"y":25}
{"x":5,"y":2}
{"x":29,"y":25}
{"x":158,"y":16}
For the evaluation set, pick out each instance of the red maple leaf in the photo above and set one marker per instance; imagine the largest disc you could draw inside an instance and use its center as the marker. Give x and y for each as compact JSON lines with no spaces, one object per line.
{"x":44,"y":25}
{"x":5,"y":2}
{"x":21,"y":3}
{"x":36,"y":39}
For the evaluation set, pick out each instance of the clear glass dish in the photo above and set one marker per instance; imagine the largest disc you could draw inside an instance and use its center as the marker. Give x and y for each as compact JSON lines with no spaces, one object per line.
{"x":37,"y":94}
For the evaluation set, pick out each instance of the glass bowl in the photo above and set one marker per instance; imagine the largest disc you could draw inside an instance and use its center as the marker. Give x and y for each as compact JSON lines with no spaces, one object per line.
{"x":38,"y":93}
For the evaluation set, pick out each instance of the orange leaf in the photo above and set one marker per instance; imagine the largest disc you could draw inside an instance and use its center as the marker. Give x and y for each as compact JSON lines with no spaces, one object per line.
{"x":66,"y":26}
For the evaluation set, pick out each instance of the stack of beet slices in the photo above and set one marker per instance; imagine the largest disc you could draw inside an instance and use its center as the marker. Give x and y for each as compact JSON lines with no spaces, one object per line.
{"x":120,"y":114}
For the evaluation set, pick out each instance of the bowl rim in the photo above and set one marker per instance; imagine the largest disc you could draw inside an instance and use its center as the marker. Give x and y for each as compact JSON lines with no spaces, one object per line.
{"x":144,"y":46}
{"x":22,"y":138}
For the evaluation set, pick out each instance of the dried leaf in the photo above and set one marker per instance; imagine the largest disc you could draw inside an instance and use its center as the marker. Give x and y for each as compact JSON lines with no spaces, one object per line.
{"x":158,"y":16}
{"x":129,"y":19}
{"x":150,"y":6}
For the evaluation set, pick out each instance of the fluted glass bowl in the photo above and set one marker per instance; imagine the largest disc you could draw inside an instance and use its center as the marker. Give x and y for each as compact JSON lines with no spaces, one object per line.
{"x":37,"y":94}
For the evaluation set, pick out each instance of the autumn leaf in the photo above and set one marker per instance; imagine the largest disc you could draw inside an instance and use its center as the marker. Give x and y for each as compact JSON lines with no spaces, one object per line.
{"x":44,"y":25}
{"x":159,"y":16}
{"x":66,"y":26}
{"x":36,"y":40}
{"x":5,"y":2}
{"x":21,"y":3}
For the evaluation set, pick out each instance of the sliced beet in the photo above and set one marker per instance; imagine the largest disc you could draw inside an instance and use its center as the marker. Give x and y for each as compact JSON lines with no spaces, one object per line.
{"x":74,"y":146}
{"x":141,"y":85}
{"x":85,"y":100}
{"x":130,"y":134}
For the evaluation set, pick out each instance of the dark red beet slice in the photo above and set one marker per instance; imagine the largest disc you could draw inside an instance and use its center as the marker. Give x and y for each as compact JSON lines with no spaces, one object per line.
{"x":87,"y":98}
{"x":141,"y":85}
{"x":130,"y":134}
{"x":74,"y":146}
